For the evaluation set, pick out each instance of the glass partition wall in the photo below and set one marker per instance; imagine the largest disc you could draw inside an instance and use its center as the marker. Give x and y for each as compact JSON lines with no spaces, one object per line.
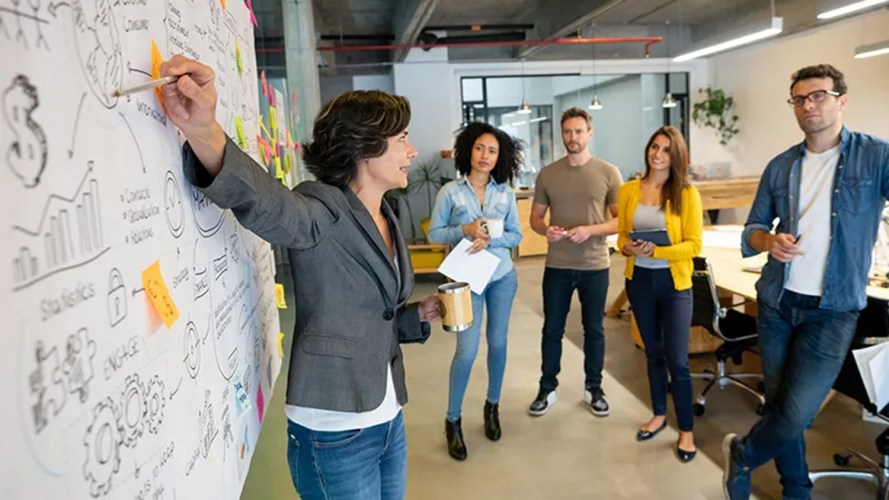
{"x":632,"y":109}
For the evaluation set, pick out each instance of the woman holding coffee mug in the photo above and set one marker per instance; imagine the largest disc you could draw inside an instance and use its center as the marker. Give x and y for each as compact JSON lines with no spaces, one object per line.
{"x":351,"y":270}
{"x":658,"y":277}
{"x":481,"y":207}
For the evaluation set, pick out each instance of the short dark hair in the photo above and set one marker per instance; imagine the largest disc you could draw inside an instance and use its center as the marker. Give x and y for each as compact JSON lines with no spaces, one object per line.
{"x":820,"y":71}
{"x":351,"y":127}
{"x":509,"y":157}
{"x":577,"y":113}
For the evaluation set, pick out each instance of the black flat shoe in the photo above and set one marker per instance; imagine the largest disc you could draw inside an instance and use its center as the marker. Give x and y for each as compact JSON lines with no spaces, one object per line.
{"x":492,"y":421}
{"x":643,"y":435}
{"x":454,"y":434}
{"x":685,"y":456}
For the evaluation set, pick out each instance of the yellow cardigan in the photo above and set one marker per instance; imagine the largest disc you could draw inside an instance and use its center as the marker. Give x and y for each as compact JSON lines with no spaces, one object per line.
{"x":686,"y":229}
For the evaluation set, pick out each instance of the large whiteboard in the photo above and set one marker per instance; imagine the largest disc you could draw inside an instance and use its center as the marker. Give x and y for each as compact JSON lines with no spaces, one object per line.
{"x":99,"y":398}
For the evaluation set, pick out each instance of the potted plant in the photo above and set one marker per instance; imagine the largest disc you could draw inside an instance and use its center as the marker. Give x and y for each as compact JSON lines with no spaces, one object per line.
{"x":716,"y":111}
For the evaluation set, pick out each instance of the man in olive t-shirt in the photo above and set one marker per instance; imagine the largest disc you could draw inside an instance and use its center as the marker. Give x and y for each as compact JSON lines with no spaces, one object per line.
{"x":578,"y":190}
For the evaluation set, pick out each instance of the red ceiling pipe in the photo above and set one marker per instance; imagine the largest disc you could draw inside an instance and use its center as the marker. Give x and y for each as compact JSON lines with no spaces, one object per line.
{"x":647,"y":40}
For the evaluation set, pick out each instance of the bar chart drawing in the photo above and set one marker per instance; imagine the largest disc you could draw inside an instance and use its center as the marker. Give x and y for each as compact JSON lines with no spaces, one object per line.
{"x":68,"y":235}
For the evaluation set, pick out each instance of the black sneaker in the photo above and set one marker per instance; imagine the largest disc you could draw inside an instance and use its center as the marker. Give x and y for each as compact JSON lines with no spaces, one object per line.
{"x":543,"y":402}
{"x":596,"y":399}
{"x":735,"y":477}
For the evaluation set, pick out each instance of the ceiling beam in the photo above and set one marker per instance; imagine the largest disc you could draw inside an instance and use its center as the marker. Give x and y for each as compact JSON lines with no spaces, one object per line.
{"x":571,"y":16}
{"x":408,"y":21}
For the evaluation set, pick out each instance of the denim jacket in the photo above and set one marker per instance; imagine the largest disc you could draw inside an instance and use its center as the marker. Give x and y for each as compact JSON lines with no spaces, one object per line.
{"x":456,"y":204}
{"x":860,"y":186}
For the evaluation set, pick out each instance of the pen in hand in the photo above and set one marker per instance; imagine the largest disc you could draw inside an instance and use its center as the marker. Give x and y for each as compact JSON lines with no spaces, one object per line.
{"x":145,"y":86}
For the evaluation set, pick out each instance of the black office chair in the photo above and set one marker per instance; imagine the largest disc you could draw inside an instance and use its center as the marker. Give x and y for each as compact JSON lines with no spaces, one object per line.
{"x":849,"y":382}
{"x":737,"y":331}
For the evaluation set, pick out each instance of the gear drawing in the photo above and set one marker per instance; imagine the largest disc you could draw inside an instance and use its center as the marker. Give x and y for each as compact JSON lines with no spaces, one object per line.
{"x":134,"y":410}
{"x":154,"y":404}
{"x":102,"y":441}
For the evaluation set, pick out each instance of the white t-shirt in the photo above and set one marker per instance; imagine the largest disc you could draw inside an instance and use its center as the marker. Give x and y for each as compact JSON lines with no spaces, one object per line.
{"x":815,"y":209}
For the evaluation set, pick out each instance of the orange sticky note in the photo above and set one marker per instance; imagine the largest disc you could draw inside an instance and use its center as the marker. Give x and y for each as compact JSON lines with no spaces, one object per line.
{"x":281,"y":344}
{"x":156,"y":60}
{"x":223,"y":4}
{"x":279,"y":296}
{"x":157,"y":291}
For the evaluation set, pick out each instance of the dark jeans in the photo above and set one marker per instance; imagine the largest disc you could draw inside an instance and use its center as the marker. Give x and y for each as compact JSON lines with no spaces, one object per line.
{"x":558,"y":287}
{"x":663,"y":315}
{"x":803,"y":348}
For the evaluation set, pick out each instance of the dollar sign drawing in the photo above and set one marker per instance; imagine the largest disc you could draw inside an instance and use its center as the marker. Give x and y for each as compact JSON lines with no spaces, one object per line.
{"x":26,"y":155}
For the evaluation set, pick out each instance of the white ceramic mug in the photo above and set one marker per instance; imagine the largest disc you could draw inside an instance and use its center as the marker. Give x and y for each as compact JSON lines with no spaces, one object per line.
{"x":494,"y":227}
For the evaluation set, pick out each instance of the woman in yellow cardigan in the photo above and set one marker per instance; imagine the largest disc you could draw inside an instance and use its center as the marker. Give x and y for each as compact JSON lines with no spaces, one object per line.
{"x":658,"y":277}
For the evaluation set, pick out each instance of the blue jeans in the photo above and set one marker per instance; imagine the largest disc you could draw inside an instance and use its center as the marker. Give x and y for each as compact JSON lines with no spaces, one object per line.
{"x":663,"y":315}
{"x":803,"y":348}
{"x":558,"y":287}
{"x":361,"y":464}
{"x":498,"y":296}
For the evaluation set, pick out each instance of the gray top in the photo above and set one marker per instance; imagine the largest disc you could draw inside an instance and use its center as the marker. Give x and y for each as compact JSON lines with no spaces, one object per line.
{"x":647,"y":218}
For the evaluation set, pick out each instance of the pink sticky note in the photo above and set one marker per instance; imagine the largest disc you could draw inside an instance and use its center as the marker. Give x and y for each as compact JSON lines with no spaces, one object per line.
{"x":252,"y":16}
{"x":260,"y":401}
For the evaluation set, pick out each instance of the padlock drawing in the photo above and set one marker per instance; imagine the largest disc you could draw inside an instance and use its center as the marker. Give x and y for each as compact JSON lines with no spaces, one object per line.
{"x":117,"y":298}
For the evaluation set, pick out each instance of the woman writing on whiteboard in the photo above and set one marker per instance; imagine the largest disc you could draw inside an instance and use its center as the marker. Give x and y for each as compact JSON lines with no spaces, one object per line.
{"x":658,"y":277}
{"x":351,"y":271}
{"x":488,"y":160}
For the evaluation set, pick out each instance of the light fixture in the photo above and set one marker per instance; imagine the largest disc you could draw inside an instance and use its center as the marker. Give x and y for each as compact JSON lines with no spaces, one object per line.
{"x":853,"y":7}
{"x":874,"y":49}
{"x":669,"y":101}
{"x":777,"y":25}
{"x":524,"y":108}
{"x":596,"y":103}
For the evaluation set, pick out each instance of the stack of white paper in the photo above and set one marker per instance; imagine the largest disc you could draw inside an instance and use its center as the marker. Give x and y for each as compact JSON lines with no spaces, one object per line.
{"x":473,"y":268}
{"x":873,"y":363}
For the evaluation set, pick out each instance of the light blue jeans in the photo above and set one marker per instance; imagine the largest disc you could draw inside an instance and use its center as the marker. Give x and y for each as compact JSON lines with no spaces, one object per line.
{"x":359,"y":464}
{"x":499,"y":296}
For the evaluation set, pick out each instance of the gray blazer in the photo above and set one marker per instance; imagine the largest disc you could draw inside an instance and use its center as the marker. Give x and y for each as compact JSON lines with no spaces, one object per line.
{"x":350,"y":299}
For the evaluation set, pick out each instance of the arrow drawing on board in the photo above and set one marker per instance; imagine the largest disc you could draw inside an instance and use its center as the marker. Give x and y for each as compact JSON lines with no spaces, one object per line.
{"x":173,"y":393}
{"x":137,"y":290}
{"x":138,"y":148}
{"x":51,"y":8}
{"x":134,"y":70}
{"x":76,"y":122}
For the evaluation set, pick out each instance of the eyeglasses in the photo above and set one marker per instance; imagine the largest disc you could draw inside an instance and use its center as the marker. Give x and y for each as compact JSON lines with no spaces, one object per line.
{"x":816,"y":97}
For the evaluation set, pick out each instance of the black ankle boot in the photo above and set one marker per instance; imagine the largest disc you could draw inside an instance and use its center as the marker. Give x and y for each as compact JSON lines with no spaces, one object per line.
{"x":492,"y":421}
{"x":454,"y":434}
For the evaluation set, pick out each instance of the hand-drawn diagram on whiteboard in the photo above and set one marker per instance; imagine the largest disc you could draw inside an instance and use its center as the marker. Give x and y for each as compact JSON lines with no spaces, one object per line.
{"x":106,"y":397}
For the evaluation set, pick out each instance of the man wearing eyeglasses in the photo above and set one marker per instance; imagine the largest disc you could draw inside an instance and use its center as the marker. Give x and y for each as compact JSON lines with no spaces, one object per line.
{"x":827,"y":194}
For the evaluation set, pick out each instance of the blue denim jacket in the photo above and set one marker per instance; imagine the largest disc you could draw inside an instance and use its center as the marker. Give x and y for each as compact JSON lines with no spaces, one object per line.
{"x":456,"y":204}
{"x":860,"y":186}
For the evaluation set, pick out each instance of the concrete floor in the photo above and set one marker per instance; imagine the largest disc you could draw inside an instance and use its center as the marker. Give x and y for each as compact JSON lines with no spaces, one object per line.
{"x":567,"y":453}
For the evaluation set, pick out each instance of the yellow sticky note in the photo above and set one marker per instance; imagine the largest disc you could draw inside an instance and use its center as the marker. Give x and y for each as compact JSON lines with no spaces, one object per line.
{"x":156,"y":288}
{"x":287,"y":163}
{"x":281,"y":344}
{"x":223,"y":4}
{"x":239,"y":129}
{"x":265,"y":159}
{"x":279,"y":296}
{"x":238,"y":61}
{"x":156,"y":60}
{"x":273,"y":123}
{"x":278,"y":171}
